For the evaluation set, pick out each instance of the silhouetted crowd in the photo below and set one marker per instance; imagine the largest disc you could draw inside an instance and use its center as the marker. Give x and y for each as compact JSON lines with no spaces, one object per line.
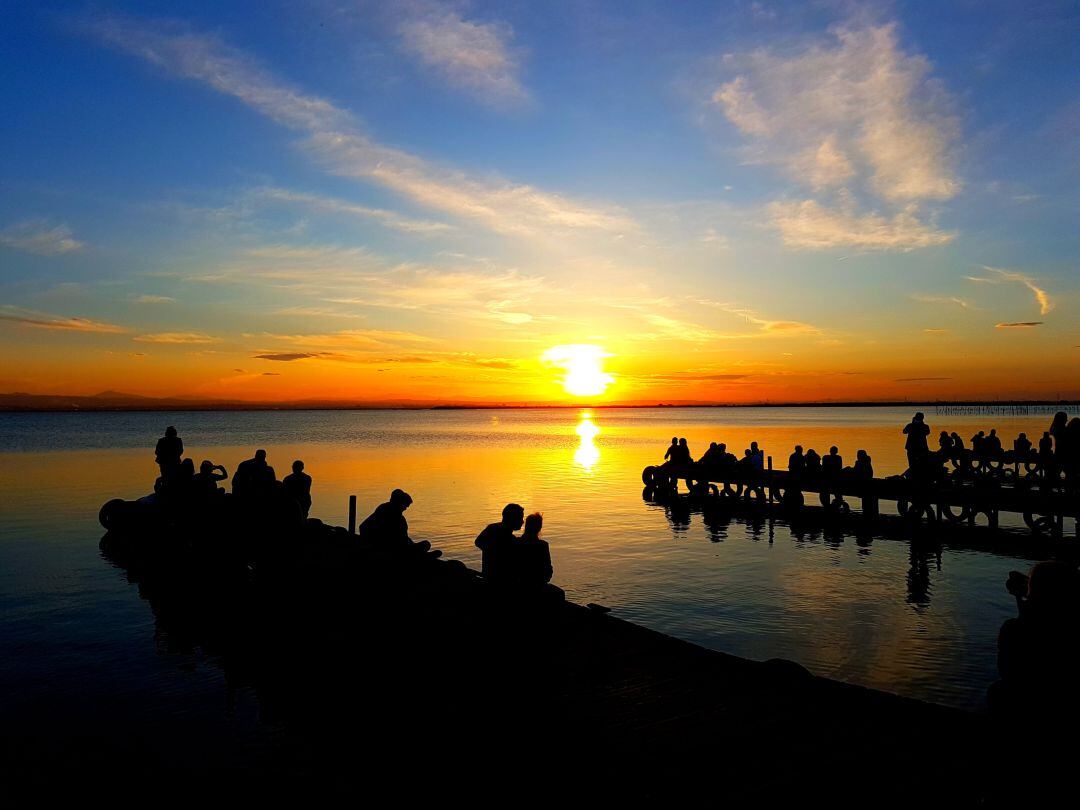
{"x":1057,"y":453}
{"x":254,"y":478}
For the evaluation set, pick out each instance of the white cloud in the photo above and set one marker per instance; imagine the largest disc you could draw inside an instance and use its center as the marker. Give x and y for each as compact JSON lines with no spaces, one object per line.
{"x":390,"y":219}
{"x":38,"y":236}
{"x":154,"y":299}
{"x":807,"y":224}
{"x":859,"y":101}
{"x":473,"y":56}
{"x":336,"y":139}
{"x":1042,"y":297}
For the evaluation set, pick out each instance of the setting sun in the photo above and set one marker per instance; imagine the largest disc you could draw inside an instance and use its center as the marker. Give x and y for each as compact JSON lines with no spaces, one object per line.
{"x":583,"y":368}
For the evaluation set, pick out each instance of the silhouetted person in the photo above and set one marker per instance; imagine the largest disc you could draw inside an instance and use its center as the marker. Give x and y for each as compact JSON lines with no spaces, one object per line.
{"x":796,"y":462}
{"x":1058,"y":429}
{"x":386,"y":526}
{"x":207,"y":478}
{"x":1038,"y":658}
{"x":711,"y":455}
{"x":672,"y":453}
{"x":916,"y":431}
{"x":723,"y":456}
{"x":168,"y":451}
{"x":253,"y":476}
{"x":496,"y":543}
{"x":992,"y":444}
{"x":533,"y":555}
{"x":864,"y":468}
{"x":298,"y":486}
{"x":1022,"y":446}
{"x":1071,"y":460}
{"x":945,"y":444}
{"x":757,"y":456}
{"x":833,"y":464}
{"x":684,"y":452}
{"x":957,"y":443}
{"x":978,"y":443}
{"x":812,"y":463}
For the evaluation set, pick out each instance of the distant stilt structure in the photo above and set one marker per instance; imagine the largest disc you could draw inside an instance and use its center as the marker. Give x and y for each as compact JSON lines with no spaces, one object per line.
{"x":352,"y":514}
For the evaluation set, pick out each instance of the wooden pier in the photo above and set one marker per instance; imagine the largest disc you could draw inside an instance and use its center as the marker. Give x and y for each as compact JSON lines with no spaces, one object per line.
{"x":974,"y":489}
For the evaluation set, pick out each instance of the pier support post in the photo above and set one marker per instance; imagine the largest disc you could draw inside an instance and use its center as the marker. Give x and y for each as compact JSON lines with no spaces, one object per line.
{"x":352,"y":514}
{"x":870,"y":506}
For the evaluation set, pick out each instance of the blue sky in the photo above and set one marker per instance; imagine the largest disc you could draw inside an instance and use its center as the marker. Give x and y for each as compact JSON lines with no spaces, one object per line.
{"x":735,"y":200}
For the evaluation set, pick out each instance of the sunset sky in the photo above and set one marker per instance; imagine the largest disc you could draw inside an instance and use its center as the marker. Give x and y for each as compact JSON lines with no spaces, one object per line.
{"x":423,"y":201}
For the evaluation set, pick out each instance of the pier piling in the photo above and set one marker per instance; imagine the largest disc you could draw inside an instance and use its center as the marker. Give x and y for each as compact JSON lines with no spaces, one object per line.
{"x":352,"y":514}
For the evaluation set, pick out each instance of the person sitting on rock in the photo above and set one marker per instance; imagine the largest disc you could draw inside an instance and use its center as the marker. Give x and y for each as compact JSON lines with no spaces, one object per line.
{"x":253,"y":476}
{"x":297,"y":485}
{"x":168,"y":451}
{"x":207,"y":478}
{"x":386,"y":528}
{"x":533,"y":567}
{"x":496,"y":544}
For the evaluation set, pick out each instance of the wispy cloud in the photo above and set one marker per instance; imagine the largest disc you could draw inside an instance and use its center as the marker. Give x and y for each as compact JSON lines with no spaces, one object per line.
{"x":943,"y":299}
{"x":41,"y":320}
{"x":153,"y":299}
{"x":286,"y":357}
{"x":476,"y":57}
{"x":38,"y":236}
{"x":856,"y":111}
{"x":1019,"y":325}
{"x":1042,"y":297}
{"x":194,"y":338}
{"x":337,"y":142}
{"x":921,"y":379}
{"x":809,"y":225}
{"x":389,"y":219}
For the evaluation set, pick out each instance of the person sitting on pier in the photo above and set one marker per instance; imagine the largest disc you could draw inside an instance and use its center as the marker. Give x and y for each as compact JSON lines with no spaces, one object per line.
{"x":957,"y":443}
{"x":796,"y":463}
{"x":833,"y":464}
{"x":298,"y":486}
{"x":168,"y":451}
{"x":916,"y":431}
{"x":812,"y":463}
{"x":1022,"y":446}
{"x":684,"y":456}
{"x":387,"y":528}
{"x":712,"y":455}
{"x":207,"y":478}
{"x":864,"y":468}
{"x":533,"y":567}
{"x":1058,"y":428}
{"x":757,"y":456}
{"x":1046,"y":447}
{"x":253,"y":476}
{"x":672,"y":453}
{"x":978,"y":443}
{"x":497,"y":544}
{"x":992,"y":444}
{"x":945,"y":444}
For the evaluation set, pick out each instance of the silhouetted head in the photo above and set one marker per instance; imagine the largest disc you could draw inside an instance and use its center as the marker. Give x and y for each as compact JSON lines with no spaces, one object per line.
{"x":1060,"y":418}
{"x":993,"y":431}
{"x":919,"y":416}
{"x":747,"y":453}
{"x":206,"y":466}
{"x":298,"y":466}
{"x":753,"y":446}
{"x":260,"y":455}
{"x":944,"y":434}
{"x":170,"y":431}
{"x":1022,"y":436}
{"x":401,"y":499}
{"x":798,"y":449}
{"x":534,"y":523}
{"x":1046,"y":434}
{"x":862,"y":454}
{"x":682,"y":442}
{"x":722,"y":447}
{"x":674,"y":439}
{"x":1053,"y":586}
{"x":834,"y":450}
{"x":712,"y":445}
{"x":513,"y":515}
{"x":187,"y":467}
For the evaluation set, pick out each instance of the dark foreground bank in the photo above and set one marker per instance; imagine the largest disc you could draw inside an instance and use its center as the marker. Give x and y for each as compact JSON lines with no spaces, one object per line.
{"x":384,"y":671}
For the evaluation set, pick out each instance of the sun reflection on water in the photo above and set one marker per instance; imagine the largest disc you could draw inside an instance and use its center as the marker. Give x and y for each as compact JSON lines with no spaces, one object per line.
{"x":587,"y":453}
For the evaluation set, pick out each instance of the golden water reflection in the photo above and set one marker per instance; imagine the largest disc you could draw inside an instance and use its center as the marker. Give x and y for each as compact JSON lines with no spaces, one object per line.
{"x":587,"y":453}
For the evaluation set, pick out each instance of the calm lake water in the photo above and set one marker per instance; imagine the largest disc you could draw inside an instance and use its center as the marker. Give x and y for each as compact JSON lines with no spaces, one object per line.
{"x":79,"y":649}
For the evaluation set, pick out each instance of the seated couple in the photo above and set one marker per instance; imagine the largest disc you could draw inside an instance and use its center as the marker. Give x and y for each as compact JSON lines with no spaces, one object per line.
{"x":511,"y":560}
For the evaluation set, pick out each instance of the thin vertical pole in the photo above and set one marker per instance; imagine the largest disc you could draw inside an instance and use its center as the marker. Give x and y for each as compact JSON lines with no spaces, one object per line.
{"x":352,"y":514}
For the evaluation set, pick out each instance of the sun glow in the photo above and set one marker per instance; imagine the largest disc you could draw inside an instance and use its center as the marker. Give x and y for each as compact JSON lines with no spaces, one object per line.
{"x":587,"y":453}
{"x":583,"y":368}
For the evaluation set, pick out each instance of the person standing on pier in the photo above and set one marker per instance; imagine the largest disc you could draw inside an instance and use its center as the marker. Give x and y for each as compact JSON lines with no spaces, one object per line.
{"x":796,"y":462}
{"x":496,"y":543}
{"x":916,"y":431}
{"x":168,"y":451}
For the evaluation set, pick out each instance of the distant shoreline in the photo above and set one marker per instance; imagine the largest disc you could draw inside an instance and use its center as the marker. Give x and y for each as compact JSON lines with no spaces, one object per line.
{"x":97,"y":405}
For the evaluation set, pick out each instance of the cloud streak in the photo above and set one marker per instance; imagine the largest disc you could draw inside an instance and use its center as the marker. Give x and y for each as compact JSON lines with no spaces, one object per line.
{"x":472,"y":56}
{"x":1042,"y":297}
{"x":1019,"y":325}
{"x":177,"y":338}
{"x":335,"y":138}
{"x":38,"y":236}
{"x":40,"y":320}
